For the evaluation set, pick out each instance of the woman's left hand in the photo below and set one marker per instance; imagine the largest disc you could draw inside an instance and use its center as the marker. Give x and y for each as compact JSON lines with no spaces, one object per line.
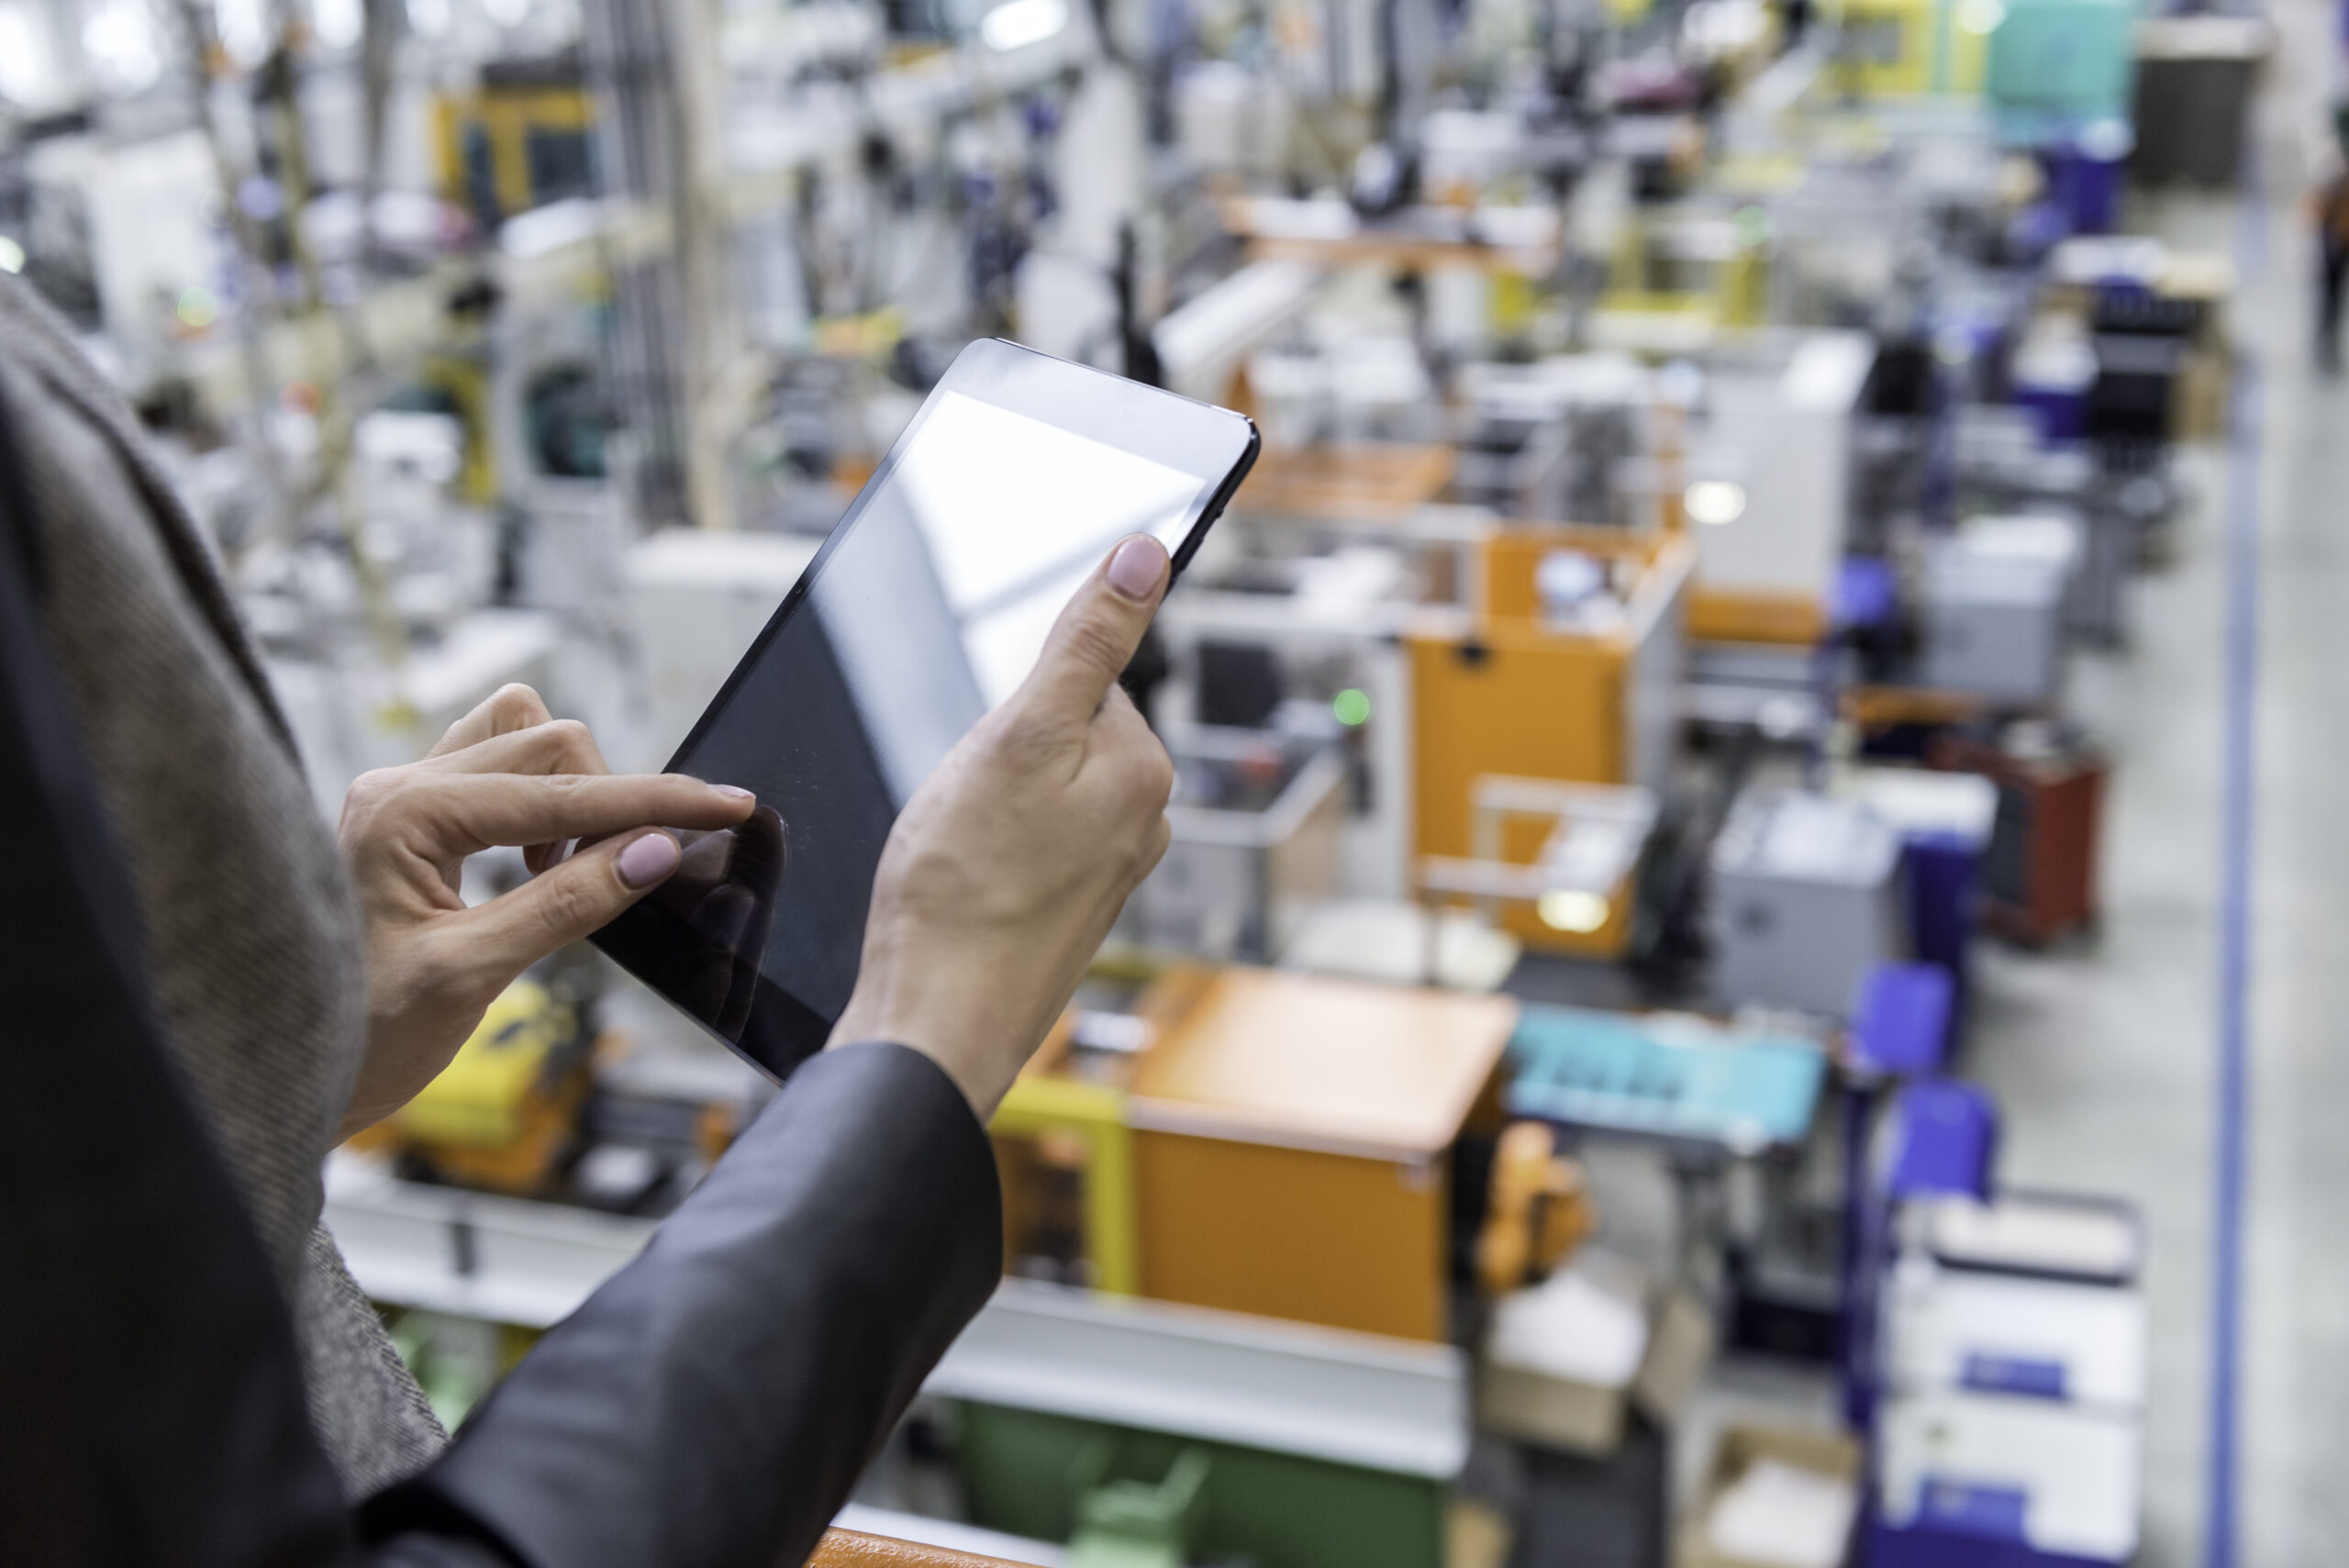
{"x":508,"y":772}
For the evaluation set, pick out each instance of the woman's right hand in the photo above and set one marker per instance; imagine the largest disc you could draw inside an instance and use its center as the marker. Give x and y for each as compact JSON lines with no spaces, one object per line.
{"x":1004,"y":873}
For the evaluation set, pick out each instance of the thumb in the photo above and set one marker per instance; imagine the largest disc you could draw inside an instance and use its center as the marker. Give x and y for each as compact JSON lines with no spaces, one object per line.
{"x":568,"y":902}
{"x":1096,"y":635}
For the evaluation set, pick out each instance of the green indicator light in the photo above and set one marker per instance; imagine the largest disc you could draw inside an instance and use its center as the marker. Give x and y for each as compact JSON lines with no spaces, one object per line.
{"x":1351,"y":707}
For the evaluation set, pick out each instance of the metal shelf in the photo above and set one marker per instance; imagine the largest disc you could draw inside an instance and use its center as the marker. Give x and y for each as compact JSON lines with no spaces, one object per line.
{"x":1391,"y":1405}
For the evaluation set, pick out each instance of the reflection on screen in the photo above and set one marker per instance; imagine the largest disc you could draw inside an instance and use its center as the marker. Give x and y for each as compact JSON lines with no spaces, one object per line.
{"x":1001,"y":517}
{"x":930,"y":609}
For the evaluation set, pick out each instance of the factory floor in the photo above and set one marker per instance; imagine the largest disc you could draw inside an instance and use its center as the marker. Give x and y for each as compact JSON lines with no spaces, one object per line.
{"x":2105,"y":1058}
{"x":2104,"y":1055}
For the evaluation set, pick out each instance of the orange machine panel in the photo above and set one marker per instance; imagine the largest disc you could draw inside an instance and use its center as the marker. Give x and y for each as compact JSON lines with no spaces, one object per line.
{"x":1295,"y":1233}
{"x":1515,"y":700}
{"x":1291,"y":1135}
{"x":1308,"y":1061}
{"x":1345,"y":484}
{"x":1717,"y":615}
{"x":1510,"y":556}
{"x":1500,"y":693}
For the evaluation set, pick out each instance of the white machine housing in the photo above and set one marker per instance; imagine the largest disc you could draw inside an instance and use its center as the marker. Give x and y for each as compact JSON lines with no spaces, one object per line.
{"x":1805,"y":900}
{"x":1993,"y":597}
{"x":1778,"y":425}
{"x":2074,"y":1476}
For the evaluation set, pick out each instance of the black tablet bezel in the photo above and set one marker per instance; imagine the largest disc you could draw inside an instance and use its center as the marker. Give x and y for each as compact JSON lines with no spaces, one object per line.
{"x":1215,"y":444}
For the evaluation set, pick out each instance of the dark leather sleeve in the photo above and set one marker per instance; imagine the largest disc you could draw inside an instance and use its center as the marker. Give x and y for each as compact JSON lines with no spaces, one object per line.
{"x":713,"y":1404}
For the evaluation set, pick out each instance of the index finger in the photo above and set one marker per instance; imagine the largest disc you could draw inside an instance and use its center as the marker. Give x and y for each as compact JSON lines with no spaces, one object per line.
{"x":466,"y":812}
{"x":1096,"y":636}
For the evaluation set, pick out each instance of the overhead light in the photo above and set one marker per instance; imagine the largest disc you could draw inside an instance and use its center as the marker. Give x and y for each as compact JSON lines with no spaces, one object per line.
{"x":1714,"y":502}
{"x":121,"y":46}
{"x":1015,"y":24}
{"x":1980,"y":18}
{"x":12,"y":255}
{"x":244,"y":30}
{"x":340,"y":23}
{"x":24,"y":68}
{"x":1568,"y":910}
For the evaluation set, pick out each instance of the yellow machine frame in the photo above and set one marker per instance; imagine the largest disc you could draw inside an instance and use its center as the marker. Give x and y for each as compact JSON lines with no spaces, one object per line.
{"x":1908,"y":48}
{"x":508,"y":115}
{"x":1040,"y":1103}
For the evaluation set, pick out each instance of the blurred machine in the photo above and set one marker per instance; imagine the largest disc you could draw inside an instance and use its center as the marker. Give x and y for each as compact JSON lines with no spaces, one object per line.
{"x":1257,"y":819}
{"x":1140,"y":1424}
{"x":1993,"y":600}
{"x":1566,"y":672}
{"x":1769,"y":469}
{"x":1806,"y":901}
{"x":1575,"y":892}
{"x":1554,"y":441}
{"x":1289,"y":1139}
{"x":1909,"y":49}
{"x":2040,"y":871}
{"x":522,"y":139}
{"x":503,"y":1115}
{"x":2017,"y":1361}
{"x":1695,"y":437}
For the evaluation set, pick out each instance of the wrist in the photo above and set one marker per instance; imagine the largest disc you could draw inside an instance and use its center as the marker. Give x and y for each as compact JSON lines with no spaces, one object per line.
{"x":943,"y":1011}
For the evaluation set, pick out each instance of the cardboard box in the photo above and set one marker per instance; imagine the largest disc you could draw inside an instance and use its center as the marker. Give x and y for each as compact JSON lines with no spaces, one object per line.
{"x":1740,"y":1446}
{"x":1585,"y":1415}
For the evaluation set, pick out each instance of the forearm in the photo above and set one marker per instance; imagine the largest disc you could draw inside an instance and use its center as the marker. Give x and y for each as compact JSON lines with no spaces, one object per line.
{"x":716,"y":1401}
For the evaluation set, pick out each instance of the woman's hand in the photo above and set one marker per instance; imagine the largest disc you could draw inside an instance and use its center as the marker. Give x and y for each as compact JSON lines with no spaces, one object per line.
{"x":1005,"y":870}
{"x":505,"y":773}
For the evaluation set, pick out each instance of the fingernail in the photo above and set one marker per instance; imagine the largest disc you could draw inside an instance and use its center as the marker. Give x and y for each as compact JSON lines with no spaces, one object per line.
{"x":647,"y":859}
{"x":1135,"y":569}
{"x":734,"y":792}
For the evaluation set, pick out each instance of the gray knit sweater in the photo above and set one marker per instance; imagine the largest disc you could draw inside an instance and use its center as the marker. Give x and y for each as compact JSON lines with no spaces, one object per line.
{"x":251,"y":936}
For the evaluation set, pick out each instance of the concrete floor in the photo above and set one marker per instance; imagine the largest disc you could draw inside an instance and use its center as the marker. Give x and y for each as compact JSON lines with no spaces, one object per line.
{"x":2104,"y":1059}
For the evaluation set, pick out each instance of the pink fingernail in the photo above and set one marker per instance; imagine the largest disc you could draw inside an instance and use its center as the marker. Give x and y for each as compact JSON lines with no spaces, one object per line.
{"x":734,"y":792}
{"x":647,"y":859}
{"x":1135,"y":569}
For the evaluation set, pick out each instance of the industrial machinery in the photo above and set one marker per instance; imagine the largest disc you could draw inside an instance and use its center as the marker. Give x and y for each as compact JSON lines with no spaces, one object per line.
{"x":1994,"y":599}
{"x":1563,"y":669}
{"x":1667,"y":409}
{"x":1257,"y":819}
{"x":502,"y":1116}
{"x":1769,"y":478}
{"x":1575,"y":892}
{"x":1805,"y":901}
{"x":1257,"y":1141}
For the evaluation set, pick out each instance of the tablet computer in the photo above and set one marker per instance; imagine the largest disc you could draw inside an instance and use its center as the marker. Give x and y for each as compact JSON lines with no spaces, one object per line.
{"x":927,"y":605}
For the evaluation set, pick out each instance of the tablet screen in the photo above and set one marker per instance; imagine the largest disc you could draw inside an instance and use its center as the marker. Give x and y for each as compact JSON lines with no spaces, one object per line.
{"x":929,"y":605}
